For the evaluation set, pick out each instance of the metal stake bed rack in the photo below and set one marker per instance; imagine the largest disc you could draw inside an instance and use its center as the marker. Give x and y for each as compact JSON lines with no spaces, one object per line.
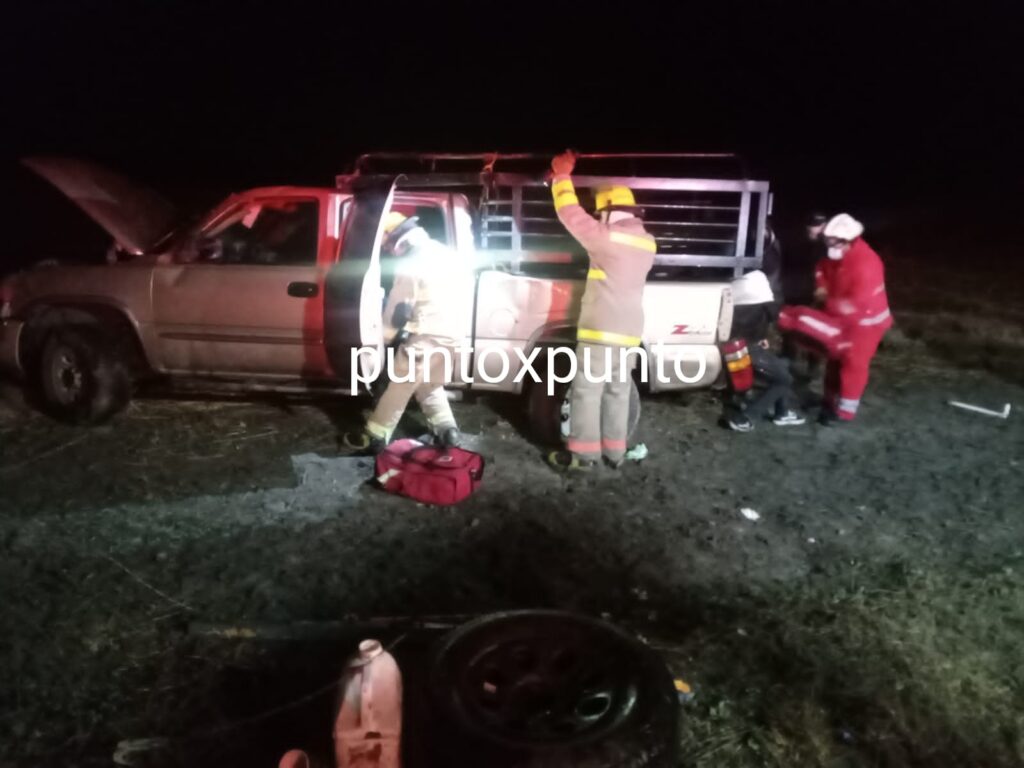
{"x":698,"y":221}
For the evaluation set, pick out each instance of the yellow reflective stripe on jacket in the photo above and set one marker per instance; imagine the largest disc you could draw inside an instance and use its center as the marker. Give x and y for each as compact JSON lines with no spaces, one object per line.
{"x":635,"y":241}
{"x":596,"y":274}
{"x":565,"y":185}
{"x":589,"y":334}
{"x":566,"y":198}
{"x":564,"y":194}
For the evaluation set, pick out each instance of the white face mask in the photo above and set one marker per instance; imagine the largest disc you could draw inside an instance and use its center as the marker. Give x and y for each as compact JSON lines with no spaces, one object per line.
{"x":836,"y":252}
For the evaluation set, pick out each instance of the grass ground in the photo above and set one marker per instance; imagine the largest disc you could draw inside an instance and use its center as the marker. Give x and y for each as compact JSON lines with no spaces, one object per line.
{"x":926,"y":670}
{"x":873,"y":616}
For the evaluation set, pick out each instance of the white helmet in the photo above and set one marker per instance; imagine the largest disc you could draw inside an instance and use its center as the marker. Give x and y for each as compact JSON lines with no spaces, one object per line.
{"x":844,"y":227}
{"x":752,"y":288}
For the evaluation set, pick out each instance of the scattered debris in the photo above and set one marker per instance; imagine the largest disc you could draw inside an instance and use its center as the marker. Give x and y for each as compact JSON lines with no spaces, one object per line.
{"x":638,"y":452}
{"x":684,"y":690}
{"x":750,"y":514}
{"x":237,"y":437}
{"x":135,"y":751}
{"x":147,"y":585}
{"x":45,"y":454}
{"x":1003,"y":414}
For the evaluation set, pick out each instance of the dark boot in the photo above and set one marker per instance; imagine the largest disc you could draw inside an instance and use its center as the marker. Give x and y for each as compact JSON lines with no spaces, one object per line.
{"x":829,"y":418}
{"x":449,"y":438}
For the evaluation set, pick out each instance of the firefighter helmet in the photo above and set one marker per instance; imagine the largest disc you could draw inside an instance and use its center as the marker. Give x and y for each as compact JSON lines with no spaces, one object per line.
{"x":613,"y":197}
{"x":396,"y":227}
{"x":392,"y":221}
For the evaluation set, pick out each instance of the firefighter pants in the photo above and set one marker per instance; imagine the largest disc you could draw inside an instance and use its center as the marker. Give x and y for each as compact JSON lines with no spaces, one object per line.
{"x":429,"y":375}
{"x":846,"y":377}
{"x":599,"y":418}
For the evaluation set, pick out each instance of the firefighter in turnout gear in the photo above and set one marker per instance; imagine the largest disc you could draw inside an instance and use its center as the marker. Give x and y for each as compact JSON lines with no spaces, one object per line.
{"x":425,"y":320}
{"x":611,"y":317}
{"x":851,"y":284}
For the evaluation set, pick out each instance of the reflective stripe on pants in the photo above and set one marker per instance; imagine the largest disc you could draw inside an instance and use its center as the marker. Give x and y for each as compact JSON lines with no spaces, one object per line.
{"x":599,"y":419}
{"x":847,"y":377}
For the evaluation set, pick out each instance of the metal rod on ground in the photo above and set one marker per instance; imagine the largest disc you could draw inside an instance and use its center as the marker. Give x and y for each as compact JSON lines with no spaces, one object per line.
{"x":1003,"y":414}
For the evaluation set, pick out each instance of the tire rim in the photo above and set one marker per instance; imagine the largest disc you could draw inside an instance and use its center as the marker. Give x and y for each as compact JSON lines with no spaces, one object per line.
{"x":564,"y":412}
{"x":545,"y":689}
{"x":66,"y":376}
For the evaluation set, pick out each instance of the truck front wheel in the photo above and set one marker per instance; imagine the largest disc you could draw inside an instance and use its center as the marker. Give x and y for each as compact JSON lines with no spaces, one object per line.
{"x":82,"y":378}
{"x":550,"y":415}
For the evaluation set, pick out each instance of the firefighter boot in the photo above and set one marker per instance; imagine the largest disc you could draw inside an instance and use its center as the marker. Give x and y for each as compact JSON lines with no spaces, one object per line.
{"x":362,"y":442}
{"x":567,"y":461}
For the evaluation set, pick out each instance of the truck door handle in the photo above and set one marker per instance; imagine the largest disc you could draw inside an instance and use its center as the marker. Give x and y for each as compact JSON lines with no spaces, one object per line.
{"x":303,"y":290}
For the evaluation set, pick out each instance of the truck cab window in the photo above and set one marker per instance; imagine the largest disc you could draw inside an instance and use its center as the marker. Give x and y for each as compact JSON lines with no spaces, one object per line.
{"x":432,"y":219}
{"x":281,"y":233}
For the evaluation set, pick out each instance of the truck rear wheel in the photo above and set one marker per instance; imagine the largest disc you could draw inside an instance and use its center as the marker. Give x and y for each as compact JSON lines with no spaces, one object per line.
{"x":82,"y":378}
{"x":550,"y":415}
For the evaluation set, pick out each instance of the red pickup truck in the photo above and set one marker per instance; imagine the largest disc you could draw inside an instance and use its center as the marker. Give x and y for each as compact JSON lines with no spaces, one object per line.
{"x":276,"y":287}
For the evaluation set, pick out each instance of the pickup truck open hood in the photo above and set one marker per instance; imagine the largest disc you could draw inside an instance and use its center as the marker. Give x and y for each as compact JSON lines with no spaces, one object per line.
{"x":136,"y":217}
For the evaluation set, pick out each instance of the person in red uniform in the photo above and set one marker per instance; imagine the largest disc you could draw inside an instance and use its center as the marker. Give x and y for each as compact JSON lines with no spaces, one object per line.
{"x":851,"y":287}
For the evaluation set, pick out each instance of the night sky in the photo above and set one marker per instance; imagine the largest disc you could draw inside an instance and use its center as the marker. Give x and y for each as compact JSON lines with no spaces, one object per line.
{"x":838,"y":104}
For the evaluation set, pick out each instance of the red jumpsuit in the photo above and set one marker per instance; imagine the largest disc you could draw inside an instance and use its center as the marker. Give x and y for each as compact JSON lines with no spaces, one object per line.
{"x":856,"y":302}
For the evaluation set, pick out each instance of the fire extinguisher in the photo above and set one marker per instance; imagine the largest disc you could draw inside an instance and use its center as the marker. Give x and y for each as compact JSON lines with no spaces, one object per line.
{"x":737,"y":361}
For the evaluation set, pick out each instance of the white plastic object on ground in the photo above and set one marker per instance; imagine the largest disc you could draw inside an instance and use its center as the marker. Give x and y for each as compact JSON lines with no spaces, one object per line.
{"x":638,"y":452}
{"x":1003,"y":414}
{"x":368,"y":727}
{"x":750,"y":514}
{"x":138,"y":751}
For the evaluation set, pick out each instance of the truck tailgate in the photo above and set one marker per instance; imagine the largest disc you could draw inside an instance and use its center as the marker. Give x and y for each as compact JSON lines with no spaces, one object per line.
{"x":686,"y":313}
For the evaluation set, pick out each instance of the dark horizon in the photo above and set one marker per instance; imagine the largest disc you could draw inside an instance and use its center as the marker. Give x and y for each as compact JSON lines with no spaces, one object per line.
{"x":837,"y":105}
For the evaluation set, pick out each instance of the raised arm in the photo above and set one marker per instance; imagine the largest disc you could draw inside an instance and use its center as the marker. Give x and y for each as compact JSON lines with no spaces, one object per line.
{"x":580,"y":224}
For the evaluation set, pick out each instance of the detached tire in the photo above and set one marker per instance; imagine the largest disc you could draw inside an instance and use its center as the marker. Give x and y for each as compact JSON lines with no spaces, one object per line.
{"x":547,"y":689}
{"x":549,"y":415}
{"x":82,"y":377}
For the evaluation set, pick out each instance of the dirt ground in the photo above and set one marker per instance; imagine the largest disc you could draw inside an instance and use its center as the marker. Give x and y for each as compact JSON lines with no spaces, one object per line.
{"x":873,"y":615}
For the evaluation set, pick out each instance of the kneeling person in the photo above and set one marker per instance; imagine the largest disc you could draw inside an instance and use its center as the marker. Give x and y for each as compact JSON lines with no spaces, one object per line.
{"x":753,"y":302}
